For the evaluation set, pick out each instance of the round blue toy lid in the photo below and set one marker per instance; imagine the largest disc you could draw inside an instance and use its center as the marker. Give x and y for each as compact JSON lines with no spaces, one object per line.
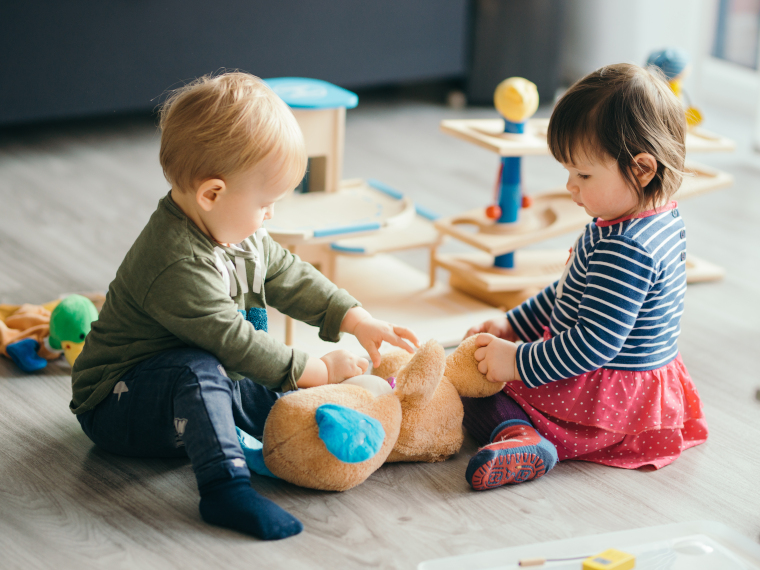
{"x":305,"y":93}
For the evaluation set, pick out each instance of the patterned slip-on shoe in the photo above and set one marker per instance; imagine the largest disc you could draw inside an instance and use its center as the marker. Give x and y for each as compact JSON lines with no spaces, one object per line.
{"x":518,"y":453}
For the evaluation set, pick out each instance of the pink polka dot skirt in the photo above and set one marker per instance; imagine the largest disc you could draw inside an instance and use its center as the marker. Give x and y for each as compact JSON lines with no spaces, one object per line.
{"x":617,"y":417}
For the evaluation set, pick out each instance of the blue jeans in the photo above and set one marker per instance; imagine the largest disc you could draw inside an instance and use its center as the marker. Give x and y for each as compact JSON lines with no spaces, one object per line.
{"x":181,"y":403}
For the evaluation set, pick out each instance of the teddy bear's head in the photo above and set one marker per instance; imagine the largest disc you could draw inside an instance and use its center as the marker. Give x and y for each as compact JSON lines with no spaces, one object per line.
{"x":331,"y":437}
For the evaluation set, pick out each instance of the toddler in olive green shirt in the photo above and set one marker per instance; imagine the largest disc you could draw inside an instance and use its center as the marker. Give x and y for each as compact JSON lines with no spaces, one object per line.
{"x":180,"y":355}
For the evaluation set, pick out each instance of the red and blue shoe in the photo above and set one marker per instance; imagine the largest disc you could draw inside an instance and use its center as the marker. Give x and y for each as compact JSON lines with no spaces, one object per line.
{"x":517,"y":453}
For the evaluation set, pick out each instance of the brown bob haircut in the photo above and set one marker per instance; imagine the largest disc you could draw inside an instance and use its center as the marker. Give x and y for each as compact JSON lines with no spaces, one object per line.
{"x":617,"y":112}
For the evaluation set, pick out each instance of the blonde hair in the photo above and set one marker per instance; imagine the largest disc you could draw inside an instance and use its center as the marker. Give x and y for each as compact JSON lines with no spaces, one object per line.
{"x":617,"y":112}
{"x":218,"y":126}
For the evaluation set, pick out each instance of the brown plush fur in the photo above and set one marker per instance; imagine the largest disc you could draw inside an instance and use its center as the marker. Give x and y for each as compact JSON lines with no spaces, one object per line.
{"x":422,"y":418}
{"x":294,"y":452}
{"x":391,"y":363}
{"x":431,"y":411}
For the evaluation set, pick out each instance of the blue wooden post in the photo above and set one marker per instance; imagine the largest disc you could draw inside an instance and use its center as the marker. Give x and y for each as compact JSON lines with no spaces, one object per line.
{"x":510,"y":194}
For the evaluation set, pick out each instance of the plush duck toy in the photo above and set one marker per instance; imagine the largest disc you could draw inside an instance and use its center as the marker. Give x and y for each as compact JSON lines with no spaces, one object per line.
{"x":333,"y":437}
{"x":31,"y":335}
{"x":70,"y":323}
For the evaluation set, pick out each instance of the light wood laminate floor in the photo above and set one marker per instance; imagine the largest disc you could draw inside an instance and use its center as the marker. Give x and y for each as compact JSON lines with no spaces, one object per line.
{"x":74,"y":196}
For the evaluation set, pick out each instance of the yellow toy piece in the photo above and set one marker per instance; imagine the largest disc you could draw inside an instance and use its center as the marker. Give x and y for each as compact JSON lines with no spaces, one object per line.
{"x":693,"y":117}
{"x":516,"y":99}
{"x":610,"y":560}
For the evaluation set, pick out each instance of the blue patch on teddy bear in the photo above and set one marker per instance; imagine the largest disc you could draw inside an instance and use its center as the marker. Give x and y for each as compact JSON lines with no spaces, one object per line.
{"x":349,"y":435}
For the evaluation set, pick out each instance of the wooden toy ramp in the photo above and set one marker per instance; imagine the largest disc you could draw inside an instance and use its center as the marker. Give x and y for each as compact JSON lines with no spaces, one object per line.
{"x":489,"y":134}
{"x":357,"y":208}
{"x":419,"y":233}
{"x":553,"y":213}
{"x":701,"y":179}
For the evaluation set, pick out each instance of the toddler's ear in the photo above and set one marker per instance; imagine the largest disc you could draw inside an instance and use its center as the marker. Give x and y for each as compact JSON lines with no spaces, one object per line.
{"x":391,"y":363}
{"x":207,"y":193}
{"x":462,"y":372}
{"x":644,"y":168}
{"x":417,"y":381}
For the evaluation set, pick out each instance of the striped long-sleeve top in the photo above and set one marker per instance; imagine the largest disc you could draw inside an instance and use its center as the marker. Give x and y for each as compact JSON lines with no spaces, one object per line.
{"x":618,"y":304}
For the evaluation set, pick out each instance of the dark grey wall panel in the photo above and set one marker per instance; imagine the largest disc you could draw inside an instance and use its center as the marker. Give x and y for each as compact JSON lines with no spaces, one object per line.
{"x":75,"y":58}
{"x":515,"y":38}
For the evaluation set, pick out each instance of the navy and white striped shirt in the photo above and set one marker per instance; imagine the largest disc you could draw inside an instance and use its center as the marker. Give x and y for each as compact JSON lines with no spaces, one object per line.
{"x":618,"y":305}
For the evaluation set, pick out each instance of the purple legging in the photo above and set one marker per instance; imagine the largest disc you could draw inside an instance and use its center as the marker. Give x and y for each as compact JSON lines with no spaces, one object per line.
{"x":482,"y":415}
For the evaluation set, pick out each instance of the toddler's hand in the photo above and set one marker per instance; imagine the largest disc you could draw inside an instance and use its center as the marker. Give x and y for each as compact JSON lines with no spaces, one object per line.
{"x":496,"y":358}
{"x":498,"y":327}
{"x":342,"y":365}
{"x":371,"y":333}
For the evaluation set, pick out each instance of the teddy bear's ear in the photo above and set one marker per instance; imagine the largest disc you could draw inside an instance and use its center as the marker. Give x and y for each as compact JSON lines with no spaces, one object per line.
{"x":391,"y":362}
{"x":416,"y":382}
{"x":462,"y":372}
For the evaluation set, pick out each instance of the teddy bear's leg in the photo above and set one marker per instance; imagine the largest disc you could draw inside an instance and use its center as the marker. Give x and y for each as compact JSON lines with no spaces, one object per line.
{"x":349,"y":435}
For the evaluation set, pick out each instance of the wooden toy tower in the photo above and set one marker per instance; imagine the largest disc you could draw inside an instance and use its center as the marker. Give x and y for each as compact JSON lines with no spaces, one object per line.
{"x":501,"y":273}
{"x":327,"y":218}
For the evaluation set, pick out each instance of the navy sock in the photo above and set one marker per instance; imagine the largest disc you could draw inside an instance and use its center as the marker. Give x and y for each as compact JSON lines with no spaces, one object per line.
{"x":482,"y":415}
{"x":234,"y":504}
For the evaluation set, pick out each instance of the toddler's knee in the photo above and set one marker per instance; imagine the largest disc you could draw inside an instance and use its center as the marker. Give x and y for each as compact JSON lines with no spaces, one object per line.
{"x":204,"y":368}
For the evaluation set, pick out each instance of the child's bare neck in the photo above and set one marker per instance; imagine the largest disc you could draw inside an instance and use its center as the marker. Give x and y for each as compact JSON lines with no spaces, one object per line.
{"x":185,"y":202}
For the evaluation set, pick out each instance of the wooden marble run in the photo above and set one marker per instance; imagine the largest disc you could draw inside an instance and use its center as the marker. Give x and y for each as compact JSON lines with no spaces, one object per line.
{"x":502,"y":275}
{"x":327,"y":217}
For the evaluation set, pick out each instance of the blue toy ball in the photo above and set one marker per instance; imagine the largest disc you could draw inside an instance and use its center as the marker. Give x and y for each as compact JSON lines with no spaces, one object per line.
{"x":671,"y":61}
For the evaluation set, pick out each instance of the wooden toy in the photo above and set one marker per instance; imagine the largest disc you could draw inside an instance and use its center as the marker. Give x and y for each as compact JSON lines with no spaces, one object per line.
{"x":327,"y":218}
{"x":320,"y":109}
{"x":489,"y":134}
{"x":517,"y":100}
{"x":323,"y":209}
{"x":501,"y":275}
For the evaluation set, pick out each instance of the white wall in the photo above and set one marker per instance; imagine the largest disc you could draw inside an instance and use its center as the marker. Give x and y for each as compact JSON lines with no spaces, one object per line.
{"x":601,"y":32}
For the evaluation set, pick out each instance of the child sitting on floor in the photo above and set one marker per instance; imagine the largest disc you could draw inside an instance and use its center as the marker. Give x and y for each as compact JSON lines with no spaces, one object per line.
{"x":599,"y":376}
{"x":180,"y":354}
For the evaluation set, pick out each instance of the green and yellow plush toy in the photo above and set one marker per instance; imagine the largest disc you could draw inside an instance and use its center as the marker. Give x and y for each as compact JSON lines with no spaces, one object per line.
{"x":31,"y":335}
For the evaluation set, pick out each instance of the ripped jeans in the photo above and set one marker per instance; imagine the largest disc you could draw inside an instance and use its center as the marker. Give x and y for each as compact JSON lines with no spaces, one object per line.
{"x":181,"y":403}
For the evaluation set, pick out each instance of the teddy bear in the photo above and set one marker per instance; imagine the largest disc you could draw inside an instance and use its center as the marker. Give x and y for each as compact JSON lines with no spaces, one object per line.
{"x":333,"y":437}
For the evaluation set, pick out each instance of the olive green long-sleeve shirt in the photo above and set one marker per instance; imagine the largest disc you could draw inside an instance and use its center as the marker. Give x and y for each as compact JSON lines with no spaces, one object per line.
{"x":178,"y":288}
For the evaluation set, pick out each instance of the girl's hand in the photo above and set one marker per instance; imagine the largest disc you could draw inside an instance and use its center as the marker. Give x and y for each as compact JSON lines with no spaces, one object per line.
{"x":342,"y":365}
{"x":498,"y":327}
{"x":496,"y":358}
